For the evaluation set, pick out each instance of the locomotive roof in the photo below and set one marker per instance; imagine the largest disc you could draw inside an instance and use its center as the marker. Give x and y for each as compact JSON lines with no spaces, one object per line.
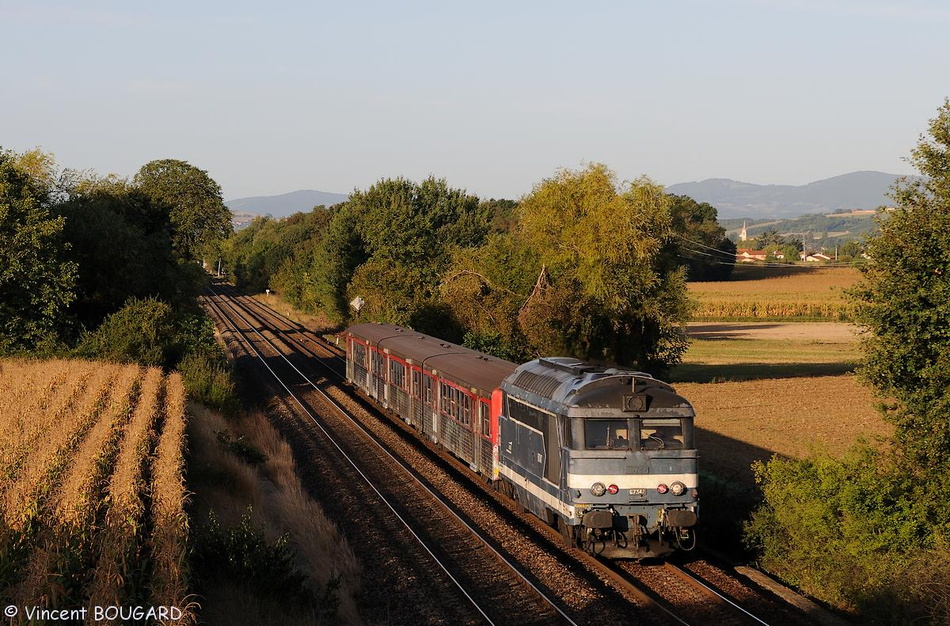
{"x":567,"y":385}
{"x":455,"y":362}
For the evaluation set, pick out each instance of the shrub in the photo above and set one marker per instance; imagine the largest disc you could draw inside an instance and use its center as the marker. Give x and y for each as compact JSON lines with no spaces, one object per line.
{"x":845,"y":530}
{"x":208,"y":378}
{"x":244,"y":554}
{"x":142,"y":331}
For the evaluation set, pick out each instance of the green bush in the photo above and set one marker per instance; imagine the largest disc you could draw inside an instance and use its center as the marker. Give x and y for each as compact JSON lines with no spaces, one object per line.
{"x":266,"y":569}
{"x":846,"y":530}
{"x":209,"y":380}
{"x":142,"y":331}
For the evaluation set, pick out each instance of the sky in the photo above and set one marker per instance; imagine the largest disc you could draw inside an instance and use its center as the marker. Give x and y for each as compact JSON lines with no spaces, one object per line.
{"x":493,"y":96}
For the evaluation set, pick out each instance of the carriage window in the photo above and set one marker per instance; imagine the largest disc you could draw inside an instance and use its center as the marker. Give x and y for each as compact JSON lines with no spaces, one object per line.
{"x":397,"y":374}
{"x":466,"y":409}
{"x":606,"y":434}
{"x":661,"y":433}
{"x":359,"y":354}
{"x":485,"y":414}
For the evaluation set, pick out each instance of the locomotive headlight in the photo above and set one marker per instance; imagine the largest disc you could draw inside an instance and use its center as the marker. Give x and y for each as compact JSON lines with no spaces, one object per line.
{"x":598,"y":489}
{"x":613,"y":489}
{"x":678,"y":488}
{"x":662,"y":488}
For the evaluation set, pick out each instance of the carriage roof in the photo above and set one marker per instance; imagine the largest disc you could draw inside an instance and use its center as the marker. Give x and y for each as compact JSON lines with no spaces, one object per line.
{"x":457,"y":363}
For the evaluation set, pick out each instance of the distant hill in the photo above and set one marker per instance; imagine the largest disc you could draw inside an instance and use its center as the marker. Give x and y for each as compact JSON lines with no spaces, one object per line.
{"x":857,"y":190}
{"x":285,"y":204}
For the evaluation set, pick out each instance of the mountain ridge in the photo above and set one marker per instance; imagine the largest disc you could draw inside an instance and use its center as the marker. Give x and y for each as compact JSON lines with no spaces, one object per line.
{"x":860,"y":190}
{"x":285,"y":204}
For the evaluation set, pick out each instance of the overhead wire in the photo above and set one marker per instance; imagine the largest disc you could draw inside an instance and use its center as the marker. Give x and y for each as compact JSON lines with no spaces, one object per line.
{"x":732,"y":258}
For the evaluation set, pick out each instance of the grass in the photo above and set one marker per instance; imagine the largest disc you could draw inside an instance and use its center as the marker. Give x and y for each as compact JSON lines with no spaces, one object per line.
{"x":718,"y":360}
{"x":249,"y":505}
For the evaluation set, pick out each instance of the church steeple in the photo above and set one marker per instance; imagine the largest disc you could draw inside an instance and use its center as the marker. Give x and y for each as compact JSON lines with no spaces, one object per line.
{"x":743,"y":235}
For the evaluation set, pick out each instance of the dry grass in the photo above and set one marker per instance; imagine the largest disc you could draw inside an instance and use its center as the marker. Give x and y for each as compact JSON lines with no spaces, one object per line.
{"x":801,"y":294}
{"x":272,"y":494}
{"x":316,"y":322}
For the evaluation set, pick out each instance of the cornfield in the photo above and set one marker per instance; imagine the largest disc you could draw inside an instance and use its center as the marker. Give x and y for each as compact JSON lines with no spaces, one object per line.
{"x":817,"y":294}
{"x":91,"y":487}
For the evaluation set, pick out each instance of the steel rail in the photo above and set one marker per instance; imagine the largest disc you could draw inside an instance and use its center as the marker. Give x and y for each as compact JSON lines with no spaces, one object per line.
{"x":263,"y":309}
{"x":694,"y":580}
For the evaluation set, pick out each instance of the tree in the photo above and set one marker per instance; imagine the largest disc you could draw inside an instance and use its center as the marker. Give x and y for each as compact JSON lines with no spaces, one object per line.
{"x":700,"y":241}
{"x":191,"y":200}
{"x":905,"y":303}
{"x":36,"y":283}
{"x":615,"y":293}
{"x":393,"y":241}
{"x":122,"y":250}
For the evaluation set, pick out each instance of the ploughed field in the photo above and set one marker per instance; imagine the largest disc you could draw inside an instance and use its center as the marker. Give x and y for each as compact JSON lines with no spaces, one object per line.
{"x":767,"y":388}
{"x":91,"y":487}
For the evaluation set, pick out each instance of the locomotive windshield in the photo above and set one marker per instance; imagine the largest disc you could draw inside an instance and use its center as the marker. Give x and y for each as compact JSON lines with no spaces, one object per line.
{"x":661,"y":433}
{"x":606,"y":434}
{"x":648,"y":434}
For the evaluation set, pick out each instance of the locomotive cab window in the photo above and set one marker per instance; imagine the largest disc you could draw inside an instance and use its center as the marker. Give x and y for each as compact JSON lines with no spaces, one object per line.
{"x":656,"y":434}
{"x":606,"y":434}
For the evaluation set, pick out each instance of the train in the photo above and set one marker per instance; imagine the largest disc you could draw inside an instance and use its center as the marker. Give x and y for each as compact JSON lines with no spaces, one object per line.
{"x":607,"y":456}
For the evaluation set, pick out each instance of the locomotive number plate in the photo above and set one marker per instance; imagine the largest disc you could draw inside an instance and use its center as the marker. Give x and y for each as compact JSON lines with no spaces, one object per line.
{"x":638,"y":493}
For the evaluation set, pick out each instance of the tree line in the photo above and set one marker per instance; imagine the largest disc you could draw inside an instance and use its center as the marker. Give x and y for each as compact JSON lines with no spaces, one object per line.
{"x":104,"y":267}
{"x":581,"y":266}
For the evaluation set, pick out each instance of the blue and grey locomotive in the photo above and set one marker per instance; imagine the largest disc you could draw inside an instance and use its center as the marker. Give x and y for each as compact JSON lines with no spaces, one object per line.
{"x":605,"y":455}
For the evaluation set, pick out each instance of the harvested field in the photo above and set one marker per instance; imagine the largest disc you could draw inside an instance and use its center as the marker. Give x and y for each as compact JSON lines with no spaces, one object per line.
{"x":731,"y":351}
{"x":750,"y":420}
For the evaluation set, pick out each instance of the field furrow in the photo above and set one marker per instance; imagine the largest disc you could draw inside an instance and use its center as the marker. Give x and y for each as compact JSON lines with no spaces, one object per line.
{"x":168,"y":542}
{"x":116,"y":560}
{"x":56,"y":567}
{"x":19,"y":436}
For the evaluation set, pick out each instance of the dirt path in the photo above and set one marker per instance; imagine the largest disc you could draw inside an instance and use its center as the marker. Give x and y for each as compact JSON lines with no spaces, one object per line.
{"x":818,"y":331}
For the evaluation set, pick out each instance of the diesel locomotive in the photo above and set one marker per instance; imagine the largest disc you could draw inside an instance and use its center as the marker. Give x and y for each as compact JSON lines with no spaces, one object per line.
{"x":605,"y":455}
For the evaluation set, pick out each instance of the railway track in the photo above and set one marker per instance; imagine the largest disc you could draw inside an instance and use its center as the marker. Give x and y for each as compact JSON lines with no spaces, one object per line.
{"x":566,"y":586}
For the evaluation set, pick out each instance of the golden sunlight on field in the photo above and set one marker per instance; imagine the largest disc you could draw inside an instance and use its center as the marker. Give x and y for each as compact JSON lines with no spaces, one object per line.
{"x":92,"y":491}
